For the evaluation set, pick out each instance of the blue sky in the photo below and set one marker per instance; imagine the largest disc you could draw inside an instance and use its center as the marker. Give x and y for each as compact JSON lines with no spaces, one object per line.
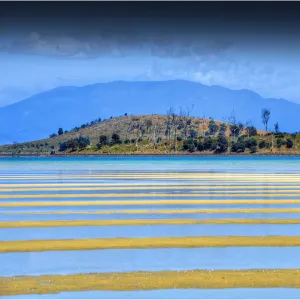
{"x":270,"y":72}
{"x":44,"y":50}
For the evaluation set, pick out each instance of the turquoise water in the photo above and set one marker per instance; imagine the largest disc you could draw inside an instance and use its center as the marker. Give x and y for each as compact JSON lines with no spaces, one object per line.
{"x":61,"y":165}
{"x":15,"y":172}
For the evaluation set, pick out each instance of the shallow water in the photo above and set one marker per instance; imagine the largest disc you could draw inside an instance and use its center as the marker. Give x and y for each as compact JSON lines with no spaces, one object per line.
{"x":130,"y":260}
{"x":167,"y":173}
{"x":62,"y":165}
{"x":175,"y":294}
{"x":81,"y":232}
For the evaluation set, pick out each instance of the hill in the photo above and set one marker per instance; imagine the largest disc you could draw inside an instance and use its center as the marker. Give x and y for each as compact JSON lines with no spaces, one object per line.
{"x":156,"y":134}
{"x":36,"y":117}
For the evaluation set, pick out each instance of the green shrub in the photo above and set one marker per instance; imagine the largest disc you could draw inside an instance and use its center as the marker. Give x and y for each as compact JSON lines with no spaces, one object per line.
{"x":63,"y":146}
{"x":189,"y":145}
{"x":262,"y":144}
{"x":82,"y":142}
{"x":250,"y":143}
{"x":74,"y":144}
{"x":268,"y":145}
{"x":115,"y":139}
{"x":200,"y":146}
{"x":251,"y":130}
{"x":103,"y":140}
{"x":207,"y":143}
{"x":238,"y":146}
{"x":222,"y":144}
{"x":279,"y":143}
{"x":193,"y":134}
{"x":222,"y":129}
{"x":60,"y":131}
{"x":289,"y":143}
{"x":213,"y":127}
{"x":214,"y":144}
{"x":253,"y":149}
{"x":192,"y":148}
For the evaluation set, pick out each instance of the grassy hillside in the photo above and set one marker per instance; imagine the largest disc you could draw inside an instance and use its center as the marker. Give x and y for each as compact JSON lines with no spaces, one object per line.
{"x":34,"y":118}
{"x":158,"y":134}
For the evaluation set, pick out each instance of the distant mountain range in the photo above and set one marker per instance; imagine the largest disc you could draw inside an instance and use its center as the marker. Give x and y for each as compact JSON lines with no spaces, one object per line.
{"x":67,"y":107}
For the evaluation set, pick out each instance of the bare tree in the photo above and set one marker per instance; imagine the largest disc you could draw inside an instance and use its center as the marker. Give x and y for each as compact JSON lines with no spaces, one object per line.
{"x":242,"y":126}
{"x":139,"y":126}
{"x":148,"y":124}
{"x":250,"y":129}
{"x":233,"y":124}
{"x":130,"y":128}
{"x":156,"y":131}
{"x":186,"y":119}
{"x":204,"y":122}
{"x":276,"y":127}
{"x":265,"y":116}
{"x":175,"y":123}
{"x":197,"y":126}
{"x":168,"y":123}
{"x":236,"y":127}
{"x":212,"y":127}
{"x":223,"y":128}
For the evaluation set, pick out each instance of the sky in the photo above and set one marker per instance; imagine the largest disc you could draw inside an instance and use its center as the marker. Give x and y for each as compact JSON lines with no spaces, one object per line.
{"x":237,"y":45}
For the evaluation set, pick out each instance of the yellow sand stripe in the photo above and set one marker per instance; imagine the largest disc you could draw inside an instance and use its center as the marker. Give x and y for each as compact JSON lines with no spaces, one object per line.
{"x":143,"y":280}
{"x":136,"y":281}
{"x":121,"y":173}
{"x":142,"y":186}
{"x":131,"y":195}
{"x":145,"y":175}
{"x":134,"y":176}
{"x":227,"y":180}
{"x":149,"y":243}
{"x":66,"y":223}
{"x":144,"y":202}
{"x":216,"y":188}
{"x":128,"y":172}
{"x":163,"y":211}
{"x":213,"y":182}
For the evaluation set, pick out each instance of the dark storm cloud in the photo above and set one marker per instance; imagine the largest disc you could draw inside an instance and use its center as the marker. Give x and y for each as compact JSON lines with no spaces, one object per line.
{"x":163,"y":29}
{"x":252,"y":45}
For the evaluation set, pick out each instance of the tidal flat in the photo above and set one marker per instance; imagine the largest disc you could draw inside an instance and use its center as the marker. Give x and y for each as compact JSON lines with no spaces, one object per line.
{"x":48,"y":284}
{"x":149,"y":226}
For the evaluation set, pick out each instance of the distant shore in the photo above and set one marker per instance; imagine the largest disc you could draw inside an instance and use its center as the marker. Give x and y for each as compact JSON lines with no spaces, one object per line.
{"x":80,"y":154}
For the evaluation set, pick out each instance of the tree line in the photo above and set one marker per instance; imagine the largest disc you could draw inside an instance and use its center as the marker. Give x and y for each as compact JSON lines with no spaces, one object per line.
{"x":194,"y":135}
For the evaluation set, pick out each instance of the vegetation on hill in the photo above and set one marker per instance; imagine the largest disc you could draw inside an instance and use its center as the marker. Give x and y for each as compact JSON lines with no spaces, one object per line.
{"x":169,"y":134}
{"x":36,"y":117}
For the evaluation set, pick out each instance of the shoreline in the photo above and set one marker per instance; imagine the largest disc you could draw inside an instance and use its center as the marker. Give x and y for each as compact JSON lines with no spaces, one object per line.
{"x":180,"y":154}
